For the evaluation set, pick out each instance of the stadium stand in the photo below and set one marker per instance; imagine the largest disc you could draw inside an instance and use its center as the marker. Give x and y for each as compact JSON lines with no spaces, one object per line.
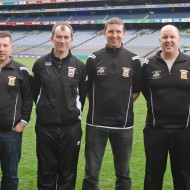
{"x":30,"y":23}
{"x":156,"y":15}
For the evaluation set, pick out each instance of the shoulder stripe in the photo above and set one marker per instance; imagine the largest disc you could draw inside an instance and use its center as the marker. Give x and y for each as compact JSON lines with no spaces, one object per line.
{"x":146,"y":61}
{"x":24,"y":69}
{"x":92,"y":56}
{"x":135,"y":57}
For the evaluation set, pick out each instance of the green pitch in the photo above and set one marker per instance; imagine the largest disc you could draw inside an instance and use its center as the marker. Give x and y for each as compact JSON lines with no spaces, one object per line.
{"x":28,"y":163}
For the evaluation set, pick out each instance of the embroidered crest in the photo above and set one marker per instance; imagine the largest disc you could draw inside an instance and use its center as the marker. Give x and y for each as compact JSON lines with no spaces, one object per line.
{"x":71,"y":71}
{"x":183,"y":74}
{"x":12,"y":80}
{"x":156,"y":74}
{"x":125,"y":72}
{"x":101,"y":70}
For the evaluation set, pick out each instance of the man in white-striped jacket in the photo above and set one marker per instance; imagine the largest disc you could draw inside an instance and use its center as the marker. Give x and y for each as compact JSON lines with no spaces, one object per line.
{"x":114,"y":78}
{"x":15,"y":109}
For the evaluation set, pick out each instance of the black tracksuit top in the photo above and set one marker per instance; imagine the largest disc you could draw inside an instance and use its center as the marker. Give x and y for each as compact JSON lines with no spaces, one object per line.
{"x":59,"y":89}
{"x":15,"y":95}
{"x":113,"y":75}
{"x":167,"y":93}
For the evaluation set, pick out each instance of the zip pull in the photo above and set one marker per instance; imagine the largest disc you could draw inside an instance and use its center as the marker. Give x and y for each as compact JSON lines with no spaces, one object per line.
{"x":59,"y":68}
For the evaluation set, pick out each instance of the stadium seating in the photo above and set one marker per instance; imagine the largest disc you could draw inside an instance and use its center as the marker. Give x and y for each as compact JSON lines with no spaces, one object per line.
{"x":141,"y":40}
{"x":158,"y":15}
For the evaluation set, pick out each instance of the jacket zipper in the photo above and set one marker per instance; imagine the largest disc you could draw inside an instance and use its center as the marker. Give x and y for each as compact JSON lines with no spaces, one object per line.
{"x":114,"y":62}
{"x":59,"y":80}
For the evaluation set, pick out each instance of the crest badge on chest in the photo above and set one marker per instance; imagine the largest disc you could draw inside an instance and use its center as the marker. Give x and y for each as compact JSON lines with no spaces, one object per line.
{"x":183,"y":74}
{"x":71,"y":71}
{"x":12,"y":80}
{"x":125,"y":72}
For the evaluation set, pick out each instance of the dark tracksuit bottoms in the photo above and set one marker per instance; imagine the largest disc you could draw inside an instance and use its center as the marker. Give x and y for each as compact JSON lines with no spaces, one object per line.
{"x":61,"y":145}
{"x":158,"y":143}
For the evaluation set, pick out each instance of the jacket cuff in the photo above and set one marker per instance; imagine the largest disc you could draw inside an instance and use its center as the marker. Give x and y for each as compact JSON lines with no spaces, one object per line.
{"x":24,"y":122}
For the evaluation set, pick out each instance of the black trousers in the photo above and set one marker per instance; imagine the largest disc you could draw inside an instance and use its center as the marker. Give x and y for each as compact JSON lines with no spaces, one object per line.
{"x":57,"y":153}
{"x":158,"y":143}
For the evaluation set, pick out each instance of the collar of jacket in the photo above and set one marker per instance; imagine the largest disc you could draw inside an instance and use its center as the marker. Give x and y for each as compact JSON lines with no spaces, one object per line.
{"x":114,"y":49}
{"x":10,"y":64}
{"x":180,"y":58}
{"x":58,"y":59}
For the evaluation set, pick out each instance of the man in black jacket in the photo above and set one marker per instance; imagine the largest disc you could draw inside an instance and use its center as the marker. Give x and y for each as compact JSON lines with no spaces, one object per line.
{"x":166,"y":88}
{"x":15,"y":109}
{"x":114,"y":78}
{"x":59,"y":90}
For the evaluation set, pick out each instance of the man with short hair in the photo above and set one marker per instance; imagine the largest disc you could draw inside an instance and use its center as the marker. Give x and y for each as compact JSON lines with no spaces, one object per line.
{"x":15,"y":109}
{"x":114,"y":80}
{"x":59,"y":90}
{"x":166,"y":88}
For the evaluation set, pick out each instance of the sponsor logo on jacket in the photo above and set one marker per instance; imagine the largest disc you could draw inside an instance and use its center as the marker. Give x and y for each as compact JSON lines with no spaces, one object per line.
{"x":101,"y":70}
{"x":156,"y":74}
{"x":48,"y":63}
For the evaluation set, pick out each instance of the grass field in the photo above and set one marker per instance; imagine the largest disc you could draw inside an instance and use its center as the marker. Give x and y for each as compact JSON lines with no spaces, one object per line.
{"x":28,"y":164}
